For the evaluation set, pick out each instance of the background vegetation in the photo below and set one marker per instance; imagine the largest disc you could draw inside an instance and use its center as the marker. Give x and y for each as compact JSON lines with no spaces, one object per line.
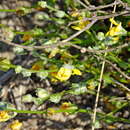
{"x":64,"y":64}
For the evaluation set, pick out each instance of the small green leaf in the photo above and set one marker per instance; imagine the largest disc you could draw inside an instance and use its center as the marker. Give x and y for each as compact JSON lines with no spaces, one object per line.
{"x":42,"y":4}
{"x":56,"y":97}
{"x":60,"y":14}
{"x":26,"y":73}
{"x":38,"y":101}
{"x":18,"y":69}
{"x":18,"y":50}
{"x":100,"y":36}
{"x":42,"y":93}
{"x":5,"y":64}
{"x":37,"y":32}
{"x":42,"y":74}
{"x":27,"y":98}
{"x":42,"y":16}
{"x":97,"y":124}
{"x":78,"y":89}
{"x":108,"y":79}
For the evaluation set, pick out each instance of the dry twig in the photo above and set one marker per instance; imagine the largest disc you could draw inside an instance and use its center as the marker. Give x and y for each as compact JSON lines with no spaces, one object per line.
{"x":80,"y":2}
{"x":104,"y":6}
{"x":122,"y":85}
{"x":101,"y":17}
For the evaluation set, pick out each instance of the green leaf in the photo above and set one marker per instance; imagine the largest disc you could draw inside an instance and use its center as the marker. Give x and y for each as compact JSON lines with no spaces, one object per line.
{"x":108,"y":79}
{"x":78,"y":89}
{"x":42,"y":93}
{"x":123,"y":64}
{"x":42,"y":74}
{"x":18,"y":50}
{"x":60,"y":14}
{"x":128,"y":1}
{"x":4,"y":64}
{"x":38,"y":101}
{"x":97,"y":124}
{"x":56,"y":97}
{"x":18,"y":69}
{"x":100,"y":36}
{"x":27,"y":98}
{"x":42,"y":4}
{"x":26,"y":73}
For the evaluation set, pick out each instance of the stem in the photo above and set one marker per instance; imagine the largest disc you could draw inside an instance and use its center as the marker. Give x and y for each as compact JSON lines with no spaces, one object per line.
{"x":103,"y":115}
{"x":7,"y":10}
{"x":100,"y":82}
{"x":98,"y":93}
{"x":124,"y":105}
{"x":27,"y":111}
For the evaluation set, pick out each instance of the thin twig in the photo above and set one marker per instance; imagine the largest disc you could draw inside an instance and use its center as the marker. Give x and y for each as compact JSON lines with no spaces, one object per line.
{"x":113,"y":49}
{"x":80,"y":2}
{"x":87,"y":2}
{"x":122,"y":85}
{"x":103,"y":6}
{"x":30,"y":48}
{"x":101,"y":17}
{"x":100,"y":51}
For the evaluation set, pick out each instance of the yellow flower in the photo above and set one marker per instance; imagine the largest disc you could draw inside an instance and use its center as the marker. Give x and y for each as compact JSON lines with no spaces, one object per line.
{"x":65,"y":105}
{"x":64,"y":73}
{"x":113,"y":21}
{"x":82,"y":24}
{"x":4,"y":116}
{"x":26,"y":37}
{"x":75,"y":13}
{"x":76,"y":72}
{"x":37,"y":65}
{"x":15,"y":125}
{"x":68,"y":106}
{"x":116,"y":38}
{"x":116,"y":30}
{"x":91,"y":87}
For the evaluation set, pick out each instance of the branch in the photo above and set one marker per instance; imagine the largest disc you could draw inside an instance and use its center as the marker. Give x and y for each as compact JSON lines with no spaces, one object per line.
{"x":122,"y":85}
{"x":80,"y":2}
{"x":104,"y":6}
{"x":101,"y":17}
{"x":100,"y":51}
{"x":82,"y":49}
